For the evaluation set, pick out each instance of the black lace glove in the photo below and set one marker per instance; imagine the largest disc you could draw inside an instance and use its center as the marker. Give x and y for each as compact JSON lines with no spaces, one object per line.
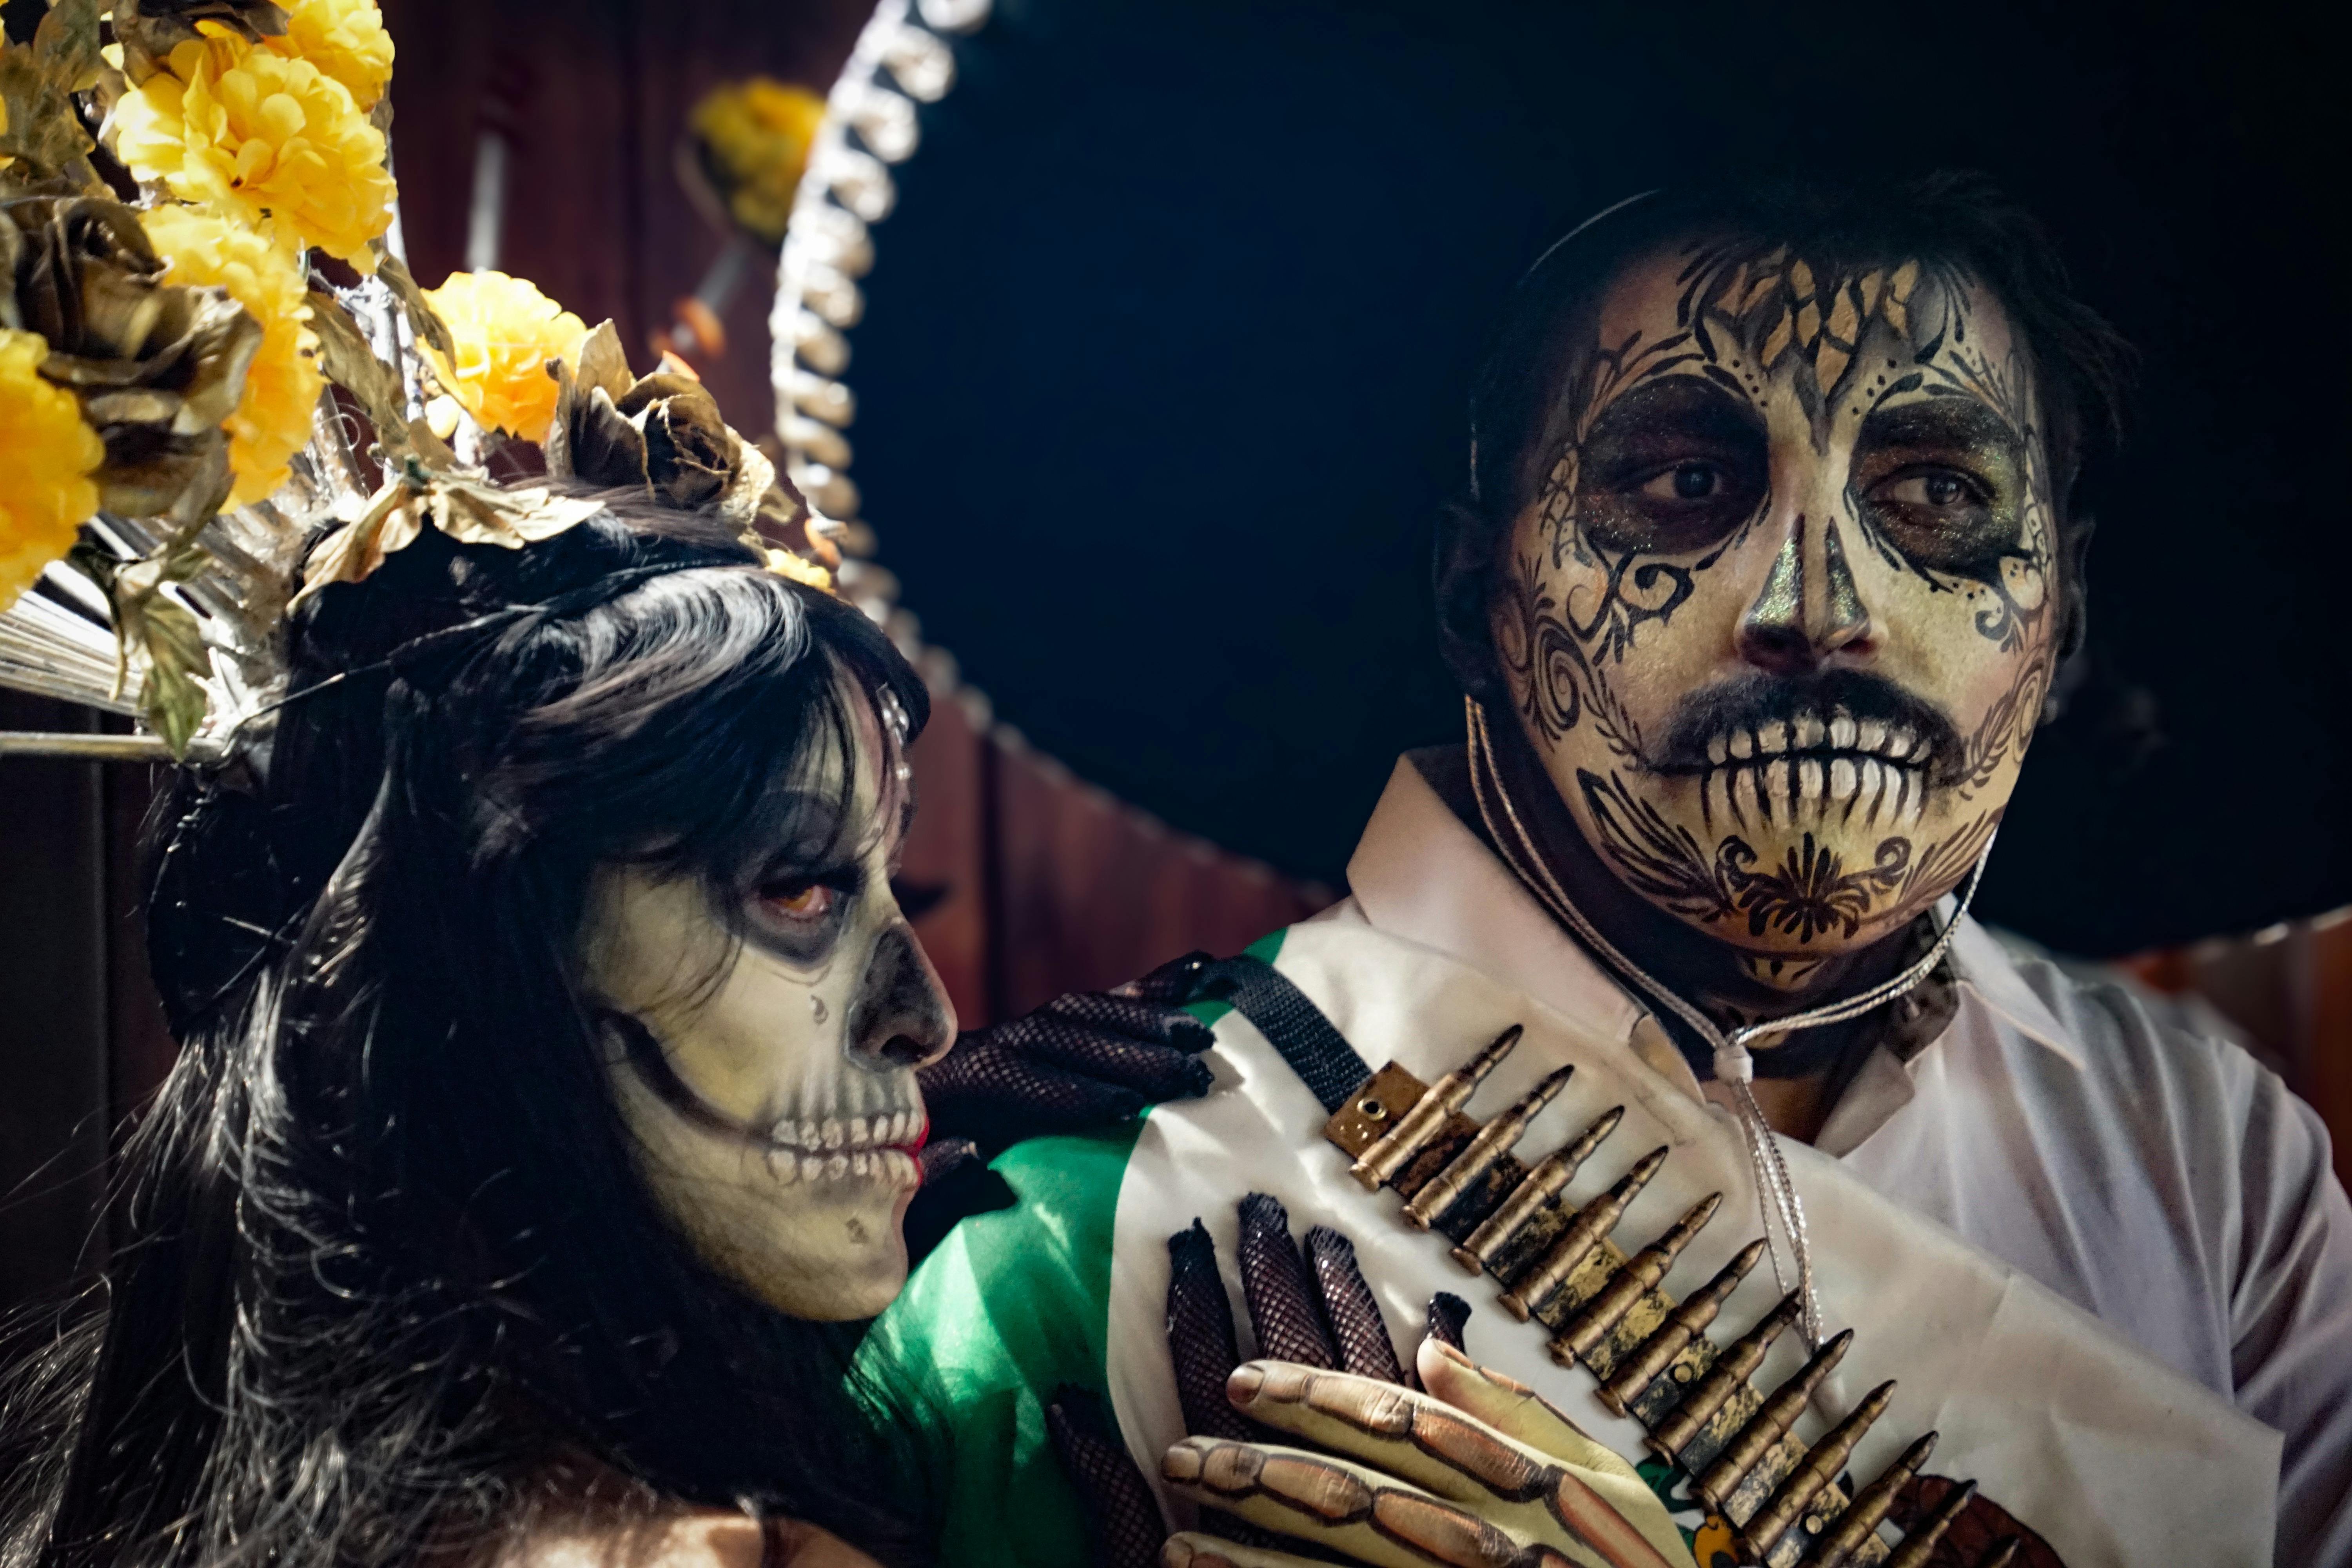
{"x":1079,"y":1062}
{"x":1309,"y":1306}
{"x":1330,"y":1451}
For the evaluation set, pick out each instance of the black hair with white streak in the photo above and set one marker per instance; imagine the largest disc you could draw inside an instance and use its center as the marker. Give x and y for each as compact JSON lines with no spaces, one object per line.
{"x":384,"y":1265}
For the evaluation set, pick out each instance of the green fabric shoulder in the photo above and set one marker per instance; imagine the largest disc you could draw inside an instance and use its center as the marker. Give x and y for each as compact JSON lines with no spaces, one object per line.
{"x":1010,"y":1306}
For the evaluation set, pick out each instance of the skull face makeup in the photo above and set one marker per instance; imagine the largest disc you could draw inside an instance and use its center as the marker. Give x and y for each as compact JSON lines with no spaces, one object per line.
{"x":1776,"y":620}
{"x":766,"y":1061}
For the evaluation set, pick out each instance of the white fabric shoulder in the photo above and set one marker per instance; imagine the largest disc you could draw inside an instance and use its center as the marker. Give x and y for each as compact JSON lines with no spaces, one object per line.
{"x":2095,"y":1446}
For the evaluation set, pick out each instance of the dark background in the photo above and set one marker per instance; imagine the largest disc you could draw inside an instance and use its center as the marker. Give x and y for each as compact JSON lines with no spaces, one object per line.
{"x":1168,"y":342}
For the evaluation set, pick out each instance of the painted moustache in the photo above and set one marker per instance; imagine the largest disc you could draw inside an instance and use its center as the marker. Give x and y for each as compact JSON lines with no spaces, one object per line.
{"x":1828,"y":746}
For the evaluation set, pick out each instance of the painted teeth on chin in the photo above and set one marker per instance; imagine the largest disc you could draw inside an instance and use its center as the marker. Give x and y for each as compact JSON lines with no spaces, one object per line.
{"x":832,"y":1132}
{"x":1869,"y":735}
{"x":1845,"y":782}
{"x":1772,"y":739}
{"x":1874,"y":780}
{"x":860,"y":1134}
{"x":1780,"y":783}
{"x":1843,"y":732}
{"x":1809,"y":732}
{"x":1743,"y":743}
{"x":1718,"y":750}
{"x":1812,"y":780}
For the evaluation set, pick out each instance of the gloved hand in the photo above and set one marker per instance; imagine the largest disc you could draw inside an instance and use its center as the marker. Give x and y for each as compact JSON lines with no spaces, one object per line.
{"x":1078,"y":1061}
{"x":1471,"y":1470}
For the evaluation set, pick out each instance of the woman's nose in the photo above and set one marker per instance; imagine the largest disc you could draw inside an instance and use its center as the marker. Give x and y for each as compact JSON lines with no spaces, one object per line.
{"x":901,"y":1018}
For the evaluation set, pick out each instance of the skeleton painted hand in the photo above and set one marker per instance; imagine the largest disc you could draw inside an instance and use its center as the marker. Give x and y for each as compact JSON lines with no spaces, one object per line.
{"x":1078,"y":1061}
{"x":1478,"y":1470}
{"x":1470,"y":1470}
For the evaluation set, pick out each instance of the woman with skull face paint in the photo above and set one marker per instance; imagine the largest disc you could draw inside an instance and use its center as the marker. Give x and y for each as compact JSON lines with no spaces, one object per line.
{"x":551,"y":1097}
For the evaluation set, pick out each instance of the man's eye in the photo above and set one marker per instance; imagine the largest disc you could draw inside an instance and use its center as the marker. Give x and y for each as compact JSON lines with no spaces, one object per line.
{"x":1937,"y":488}
{"x":1685,"y":481}
{"x":802,"y":902}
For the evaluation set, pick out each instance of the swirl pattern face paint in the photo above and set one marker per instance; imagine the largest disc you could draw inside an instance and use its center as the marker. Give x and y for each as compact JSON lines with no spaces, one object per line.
{"x":1777,"y":615}
{"x":765,"y":1038}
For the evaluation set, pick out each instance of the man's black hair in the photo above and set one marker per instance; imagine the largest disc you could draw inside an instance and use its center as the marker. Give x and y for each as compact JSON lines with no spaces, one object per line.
{"x":2081,"y":365}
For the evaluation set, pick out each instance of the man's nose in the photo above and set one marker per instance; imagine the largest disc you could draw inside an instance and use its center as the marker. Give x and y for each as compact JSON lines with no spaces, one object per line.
{"x":902,"y":1017}
{"x":1809,"y":608}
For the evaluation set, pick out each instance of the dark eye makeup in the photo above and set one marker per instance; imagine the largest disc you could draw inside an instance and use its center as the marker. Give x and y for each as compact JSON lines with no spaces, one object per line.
{"x":1671,"y":466}
{"x":1943,"y":481}
{"x":798,"y":915}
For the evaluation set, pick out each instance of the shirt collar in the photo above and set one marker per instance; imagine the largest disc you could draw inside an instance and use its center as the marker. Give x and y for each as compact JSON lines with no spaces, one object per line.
{"x":1421,"y":874}
{"x":1981,"y":965}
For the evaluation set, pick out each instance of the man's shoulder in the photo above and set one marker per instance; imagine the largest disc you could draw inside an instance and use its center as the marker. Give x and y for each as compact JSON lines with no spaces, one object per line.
{"x":2177,"y":1087}
{"x":2133,"y":1041}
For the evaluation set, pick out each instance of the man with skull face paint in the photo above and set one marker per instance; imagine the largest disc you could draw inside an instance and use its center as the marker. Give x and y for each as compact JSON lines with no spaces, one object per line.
{"x":1762,"y":588}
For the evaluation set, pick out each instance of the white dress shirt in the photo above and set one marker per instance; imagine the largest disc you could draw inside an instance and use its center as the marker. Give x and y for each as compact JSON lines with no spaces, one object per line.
{"x":2164,"y":1181}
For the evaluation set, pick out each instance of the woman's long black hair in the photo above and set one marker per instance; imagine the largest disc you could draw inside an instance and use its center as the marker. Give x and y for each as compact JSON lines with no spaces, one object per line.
{"x":382,"y":1264}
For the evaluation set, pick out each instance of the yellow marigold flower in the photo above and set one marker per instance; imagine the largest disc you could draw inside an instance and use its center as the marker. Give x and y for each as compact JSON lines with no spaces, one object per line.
{"x":754,"y":139}
{"x":47,"y":456}
{"x":505,"y":330}
{"x":270,"y":141}
{"x":344,"y":39}
{"x":272,"y":420}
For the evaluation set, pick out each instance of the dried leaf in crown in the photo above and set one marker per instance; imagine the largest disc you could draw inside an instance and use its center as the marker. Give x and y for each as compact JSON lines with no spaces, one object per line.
{"x":157,"y":367}
{"x":468,"y":507}
{"x":42,"y":140}
{"x":662,"y":434}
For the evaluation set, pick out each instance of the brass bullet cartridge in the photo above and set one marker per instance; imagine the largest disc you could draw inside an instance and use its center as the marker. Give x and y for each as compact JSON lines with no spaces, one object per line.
{"x":1417,"y":1126}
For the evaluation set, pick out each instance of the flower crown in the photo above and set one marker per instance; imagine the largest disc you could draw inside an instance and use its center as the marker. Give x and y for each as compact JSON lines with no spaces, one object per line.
{"x":232,"y":385}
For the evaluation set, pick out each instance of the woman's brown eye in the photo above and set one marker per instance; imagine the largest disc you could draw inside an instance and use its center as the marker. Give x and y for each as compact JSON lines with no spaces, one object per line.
{"x":799,"y":900}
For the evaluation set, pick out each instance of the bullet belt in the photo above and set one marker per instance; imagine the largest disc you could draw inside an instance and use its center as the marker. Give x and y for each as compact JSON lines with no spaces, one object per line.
{"x":1559,"y":1266}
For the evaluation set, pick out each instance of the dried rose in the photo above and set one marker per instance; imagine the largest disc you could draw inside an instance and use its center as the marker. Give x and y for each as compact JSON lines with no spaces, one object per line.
{"x":157,"y":367}
{"x":661,"y":434}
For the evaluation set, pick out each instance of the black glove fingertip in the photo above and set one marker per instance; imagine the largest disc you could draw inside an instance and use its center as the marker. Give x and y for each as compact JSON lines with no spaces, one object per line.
{"x":1171,"y":982}
{"x":1189,"y":1033}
